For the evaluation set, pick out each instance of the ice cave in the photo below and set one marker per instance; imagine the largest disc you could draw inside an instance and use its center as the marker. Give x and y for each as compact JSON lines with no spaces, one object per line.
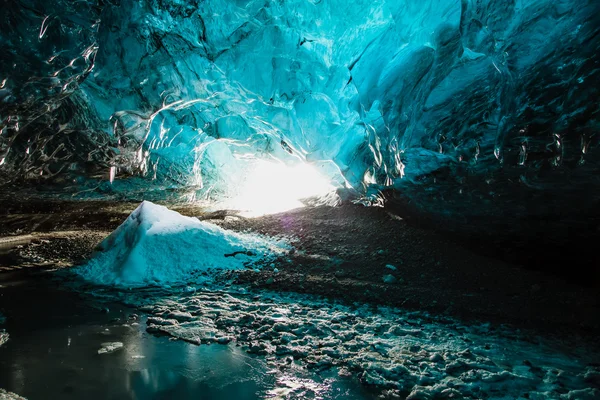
{"x":300,"y":199}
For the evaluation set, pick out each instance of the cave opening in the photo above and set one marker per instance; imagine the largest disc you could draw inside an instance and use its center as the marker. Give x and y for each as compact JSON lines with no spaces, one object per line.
{"x":299,"y":199}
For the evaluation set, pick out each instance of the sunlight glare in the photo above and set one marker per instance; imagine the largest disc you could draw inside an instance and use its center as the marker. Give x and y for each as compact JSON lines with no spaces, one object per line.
{"x":273,"y":187}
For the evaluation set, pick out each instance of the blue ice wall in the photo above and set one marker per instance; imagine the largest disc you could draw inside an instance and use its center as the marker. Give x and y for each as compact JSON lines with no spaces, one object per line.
{"x":396,"y":93}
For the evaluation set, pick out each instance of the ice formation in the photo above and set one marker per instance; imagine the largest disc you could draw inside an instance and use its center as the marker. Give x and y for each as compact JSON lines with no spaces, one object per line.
{"x":155,"y":94}
{"x":110,"y":347}
{"x":158,"y":246}
{"x":408,"y":355}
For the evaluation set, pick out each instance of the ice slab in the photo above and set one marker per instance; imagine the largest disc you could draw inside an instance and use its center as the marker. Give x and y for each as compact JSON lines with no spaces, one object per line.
{"x":110,"y":347}
{"x":158,"y":246}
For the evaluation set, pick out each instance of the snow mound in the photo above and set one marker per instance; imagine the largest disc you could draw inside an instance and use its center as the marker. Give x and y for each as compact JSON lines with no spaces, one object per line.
{"x":158,"y":246}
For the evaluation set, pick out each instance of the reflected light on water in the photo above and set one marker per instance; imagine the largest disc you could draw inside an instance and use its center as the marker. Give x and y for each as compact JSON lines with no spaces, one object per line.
{"x":289,"y":386}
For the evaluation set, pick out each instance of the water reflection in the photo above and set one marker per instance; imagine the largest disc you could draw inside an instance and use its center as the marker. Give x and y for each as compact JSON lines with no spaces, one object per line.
{"x":288,"y":386}
{"x":53,"y":353}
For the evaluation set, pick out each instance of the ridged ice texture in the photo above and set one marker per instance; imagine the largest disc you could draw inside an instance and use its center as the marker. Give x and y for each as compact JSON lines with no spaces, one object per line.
{"x":182,"y":93}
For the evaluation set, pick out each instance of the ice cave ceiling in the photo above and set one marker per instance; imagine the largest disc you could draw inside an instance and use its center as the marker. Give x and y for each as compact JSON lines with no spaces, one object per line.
{"x":465,"y":101}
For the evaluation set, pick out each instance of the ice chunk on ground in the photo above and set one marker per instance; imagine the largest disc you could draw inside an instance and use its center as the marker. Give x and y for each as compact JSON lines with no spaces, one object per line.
{"x":110,"y":347}
{"x":158,"y":246}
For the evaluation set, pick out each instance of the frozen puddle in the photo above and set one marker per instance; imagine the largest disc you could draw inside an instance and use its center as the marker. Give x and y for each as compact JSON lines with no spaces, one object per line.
{"x":405,"y":354}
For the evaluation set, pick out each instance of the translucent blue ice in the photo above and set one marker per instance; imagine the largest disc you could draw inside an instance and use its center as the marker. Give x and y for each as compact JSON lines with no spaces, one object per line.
{"x":182,"y":94}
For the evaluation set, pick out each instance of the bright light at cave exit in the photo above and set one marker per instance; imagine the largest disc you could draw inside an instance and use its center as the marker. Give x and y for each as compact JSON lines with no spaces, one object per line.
{"x":272,"y":187}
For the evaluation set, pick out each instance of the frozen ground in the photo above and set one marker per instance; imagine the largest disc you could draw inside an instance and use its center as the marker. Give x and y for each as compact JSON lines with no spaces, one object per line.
{"x":415,"y":337}
{"x":403,"y":354}
{"x":56,"y":334}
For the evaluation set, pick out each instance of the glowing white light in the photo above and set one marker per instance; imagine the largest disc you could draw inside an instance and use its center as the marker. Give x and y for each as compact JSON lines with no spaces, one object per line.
{"x":272,"y":187}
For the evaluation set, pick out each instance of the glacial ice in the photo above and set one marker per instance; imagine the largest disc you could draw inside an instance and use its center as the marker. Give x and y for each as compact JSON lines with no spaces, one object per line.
{"x":158,"y":246}
{"x":169,"y":94}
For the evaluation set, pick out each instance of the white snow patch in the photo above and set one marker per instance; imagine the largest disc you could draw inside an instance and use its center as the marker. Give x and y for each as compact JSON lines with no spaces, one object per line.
{"x":158,"y":246}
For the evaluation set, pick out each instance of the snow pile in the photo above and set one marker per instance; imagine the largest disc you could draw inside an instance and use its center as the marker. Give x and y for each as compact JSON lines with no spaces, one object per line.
{"x":158,"y":246}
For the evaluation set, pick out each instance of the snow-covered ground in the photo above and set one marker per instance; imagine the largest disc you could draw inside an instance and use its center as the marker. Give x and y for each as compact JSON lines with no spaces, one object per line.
{"x":158,"y":246}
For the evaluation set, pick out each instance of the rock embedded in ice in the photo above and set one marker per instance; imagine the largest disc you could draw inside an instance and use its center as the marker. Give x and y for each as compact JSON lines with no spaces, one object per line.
{"x":110,"y":347}
{"x":158,"y":246}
